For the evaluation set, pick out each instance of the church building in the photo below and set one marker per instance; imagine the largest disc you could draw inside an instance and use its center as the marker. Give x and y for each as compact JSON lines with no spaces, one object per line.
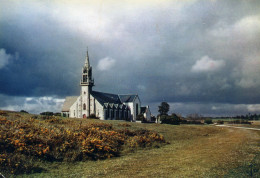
{"x":105,"y":106}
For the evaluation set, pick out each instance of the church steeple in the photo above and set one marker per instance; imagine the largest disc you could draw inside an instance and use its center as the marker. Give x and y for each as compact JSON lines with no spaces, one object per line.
{"x":87,"y":60}
{"x":86,"y":84}
{"x":87,"y":74}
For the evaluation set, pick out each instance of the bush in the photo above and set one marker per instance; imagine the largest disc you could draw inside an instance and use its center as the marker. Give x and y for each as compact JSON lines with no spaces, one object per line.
{"x":140,"y":117}
{"x":208,"y":121}
{"x":3,"y":113}
{"x":24,"y":141}
{"x":172,"y":119}
{"x":197,"y":122}
{"x":153,"y":119}
{"x":220,"y":122}
{"x":93,"y":116}
{"x":239,"y":122}
{"x":47,"y":113}
{"x":57,"y":114}
{"x":23,"y":111}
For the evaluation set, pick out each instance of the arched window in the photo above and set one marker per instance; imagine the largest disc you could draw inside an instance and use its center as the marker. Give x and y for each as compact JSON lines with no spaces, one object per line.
{"x":84,"y":106}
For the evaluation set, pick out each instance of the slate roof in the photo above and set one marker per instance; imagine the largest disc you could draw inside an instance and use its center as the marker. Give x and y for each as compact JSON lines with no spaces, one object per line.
{"x":105,"y":97}
{"x":69,"y":101}
{"x":127,"y":98}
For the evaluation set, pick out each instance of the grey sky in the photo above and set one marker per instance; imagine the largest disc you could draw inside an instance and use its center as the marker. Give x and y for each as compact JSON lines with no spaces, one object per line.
{"x":200,"y":56}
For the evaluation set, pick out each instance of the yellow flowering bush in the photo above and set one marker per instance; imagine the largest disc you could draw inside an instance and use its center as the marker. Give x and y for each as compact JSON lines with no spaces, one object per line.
{"x":54,"y":139}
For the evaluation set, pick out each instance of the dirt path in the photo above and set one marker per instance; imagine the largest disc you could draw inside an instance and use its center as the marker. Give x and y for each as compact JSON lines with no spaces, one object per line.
{"x":238,"y":127}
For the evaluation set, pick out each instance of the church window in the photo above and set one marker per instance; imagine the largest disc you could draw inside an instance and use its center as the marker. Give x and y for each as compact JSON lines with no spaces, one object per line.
{"x":84,"y":106}
{"x":136,"y":109}
{"x":84,"y":92}
{"x":117,"y":114}
{"x":85,"y":78}
{"x":112,"y":114}
{"x":107,"y":113}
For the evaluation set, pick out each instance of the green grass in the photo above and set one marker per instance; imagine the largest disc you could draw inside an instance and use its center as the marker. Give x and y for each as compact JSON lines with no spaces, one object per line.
{"x":194,"y":151}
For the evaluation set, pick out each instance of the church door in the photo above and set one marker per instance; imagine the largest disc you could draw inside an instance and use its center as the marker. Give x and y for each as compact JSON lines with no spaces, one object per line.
{"x":84,"y":116}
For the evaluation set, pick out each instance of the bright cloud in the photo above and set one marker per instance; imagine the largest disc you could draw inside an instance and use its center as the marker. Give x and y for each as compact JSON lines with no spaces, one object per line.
{"x":35,"y":105}
{"x":254,"y":107}
{"x":249,"y":25}
{"x":4,"y":58}
{"x":206,"y":64}
{"x":106,"y":63}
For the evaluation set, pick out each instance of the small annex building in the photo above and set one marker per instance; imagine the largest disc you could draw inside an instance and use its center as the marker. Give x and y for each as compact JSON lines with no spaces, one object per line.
{"x":105,"y":106}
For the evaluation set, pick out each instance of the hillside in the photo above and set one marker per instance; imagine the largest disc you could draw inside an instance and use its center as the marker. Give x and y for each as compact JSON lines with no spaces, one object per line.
{"x":141,"y":150}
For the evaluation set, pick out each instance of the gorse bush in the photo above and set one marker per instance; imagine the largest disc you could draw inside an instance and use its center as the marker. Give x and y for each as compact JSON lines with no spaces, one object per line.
{"x":55,"y":139}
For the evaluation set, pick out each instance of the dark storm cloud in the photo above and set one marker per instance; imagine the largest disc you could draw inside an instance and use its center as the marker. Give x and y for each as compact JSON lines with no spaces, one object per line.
{"x":204,"y":52}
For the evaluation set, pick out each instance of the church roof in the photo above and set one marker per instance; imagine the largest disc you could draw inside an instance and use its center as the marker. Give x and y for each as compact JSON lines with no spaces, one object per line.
{"x":112,"y":98}
{"x":69,"y":101}
{"x":105,"y":97}
{"x":127,"y":98}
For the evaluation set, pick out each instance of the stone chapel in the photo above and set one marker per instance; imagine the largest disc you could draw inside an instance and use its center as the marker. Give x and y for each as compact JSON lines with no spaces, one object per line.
{"x":105,"y":106}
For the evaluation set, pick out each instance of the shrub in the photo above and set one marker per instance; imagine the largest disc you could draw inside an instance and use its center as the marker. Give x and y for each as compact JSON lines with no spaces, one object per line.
{"x":93,"y":116}
{"x":47,"y":113}
{"x":197,"y":122}
{"x":220,"y":122}
{"x":239,"y":122}
{"x":3,"y":113}
{"x":140,"y":117}
{"x":23,"y":111}
{"x":208,"y":121}
{"x":22,"y":142}
{"x":172,"y":119}
{"x":57,"y":114}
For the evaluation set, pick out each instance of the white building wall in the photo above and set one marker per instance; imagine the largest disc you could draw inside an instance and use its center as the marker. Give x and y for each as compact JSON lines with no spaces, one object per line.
{"x":73,"y":113}
{"x":99,"y":110}
{"x":92,"y":105}
{"x":147,"y":114}
{"x":132,"y":106}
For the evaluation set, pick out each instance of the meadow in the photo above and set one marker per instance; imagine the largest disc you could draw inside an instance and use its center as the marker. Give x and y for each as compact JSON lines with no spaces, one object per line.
{"x":124,"y":149}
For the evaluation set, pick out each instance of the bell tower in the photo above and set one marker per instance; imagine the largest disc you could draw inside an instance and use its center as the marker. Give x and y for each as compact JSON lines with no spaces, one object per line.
{"x":86,"y":84}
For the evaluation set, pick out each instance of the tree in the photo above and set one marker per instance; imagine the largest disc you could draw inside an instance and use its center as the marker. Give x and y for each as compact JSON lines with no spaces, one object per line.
{"x":23,"y":111}
{"x":163,"y":108}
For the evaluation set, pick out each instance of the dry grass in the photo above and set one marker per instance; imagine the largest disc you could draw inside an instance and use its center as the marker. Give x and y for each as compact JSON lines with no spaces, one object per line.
{"x":194,"y":151}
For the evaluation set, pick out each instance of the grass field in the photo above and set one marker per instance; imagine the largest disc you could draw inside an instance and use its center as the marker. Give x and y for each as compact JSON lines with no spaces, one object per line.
{"x":194,"y":151}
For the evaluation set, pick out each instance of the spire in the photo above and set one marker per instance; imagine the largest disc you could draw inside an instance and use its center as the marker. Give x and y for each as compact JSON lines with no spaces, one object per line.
{"x":87,"y":60}
{"x":86,"y":79}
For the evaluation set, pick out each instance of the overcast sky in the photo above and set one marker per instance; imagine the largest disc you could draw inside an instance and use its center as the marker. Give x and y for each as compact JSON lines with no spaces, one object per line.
{"x":199,"y":56}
